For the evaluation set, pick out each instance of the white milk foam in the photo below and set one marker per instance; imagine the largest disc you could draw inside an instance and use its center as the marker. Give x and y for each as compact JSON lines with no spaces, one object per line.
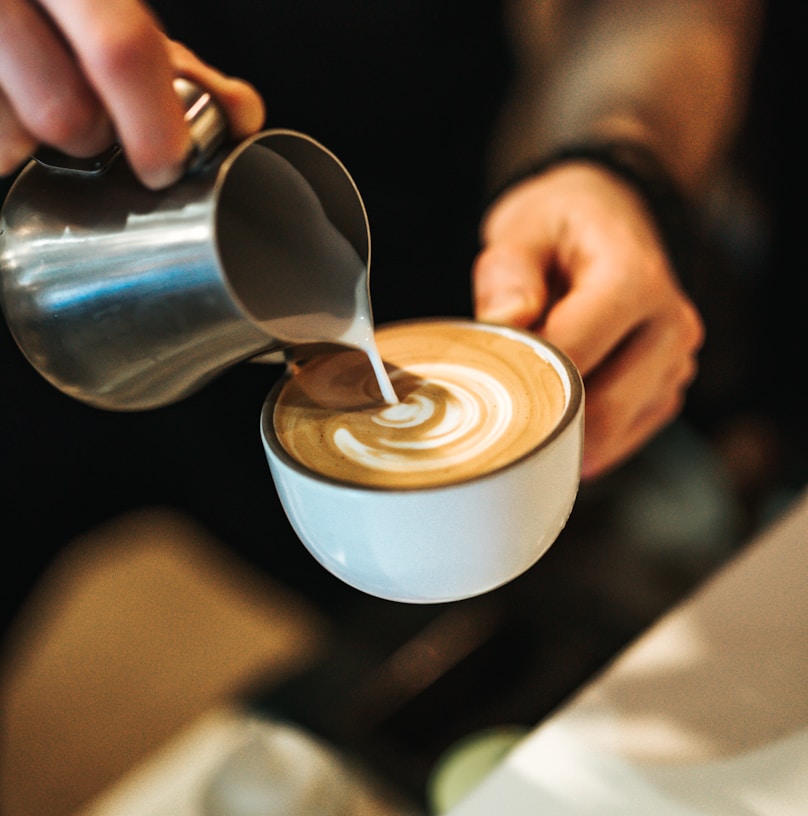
{"x":464,"y":432}
{"x":471,"y":400}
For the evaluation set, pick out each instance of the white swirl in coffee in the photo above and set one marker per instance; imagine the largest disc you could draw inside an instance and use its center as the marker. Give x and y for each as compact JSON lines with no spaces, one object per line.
{"x":471,"y":400}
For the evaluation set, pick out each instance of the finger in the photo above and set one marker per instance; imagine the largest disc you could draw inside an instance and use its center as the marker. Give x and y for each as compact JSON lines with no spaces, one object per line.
{"x":638,"y":391}
{"x":605,"y":451}
{"x":16,"y":144}
{"x":608,"y":445}
{"x":240,"y":101}
{"x":617,"y":396}
{"x":125,"y":57}
{"x":603,"y":306}
{"x":43,"y":84}
{"x":509,"y":286}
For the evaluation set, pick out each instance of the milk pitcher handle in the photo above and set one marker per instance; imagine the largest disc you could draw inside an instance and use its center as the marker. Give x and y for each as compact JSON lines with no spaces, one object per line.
{"x":206,"y":122}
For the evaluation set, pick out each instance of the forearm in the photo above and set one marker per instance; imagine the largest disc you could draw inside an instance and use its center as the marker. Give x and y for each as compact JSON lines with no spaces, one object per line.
{"x":671,"y":74}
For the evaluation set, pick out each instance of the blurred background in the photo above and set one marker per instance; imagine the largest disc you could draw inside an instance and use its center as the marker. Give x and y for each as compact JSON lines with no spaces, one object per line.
{"x":391,"y":685}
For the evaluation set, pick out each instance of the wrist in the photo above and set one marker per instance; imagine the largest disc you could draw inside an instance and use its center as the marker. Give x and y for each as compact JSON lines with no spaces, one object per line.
{"x":637,"y":165}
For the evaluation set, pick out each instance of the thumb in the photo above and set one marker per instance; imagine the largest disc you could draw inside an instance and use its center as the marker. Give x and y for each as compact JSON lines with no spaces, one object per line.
{"x":509,"y":286}
{"x":242,"y":104}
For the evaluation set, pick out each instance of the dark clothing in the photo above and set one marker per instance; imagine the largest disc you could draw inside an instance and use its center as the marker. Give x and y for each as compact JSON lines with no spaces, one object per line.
{"x":404,"y":93}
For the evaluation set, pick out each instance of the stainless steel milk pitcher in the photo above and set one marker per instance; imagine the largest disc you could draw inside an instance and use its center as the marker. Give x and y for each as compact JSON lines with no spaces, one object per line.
{"x":128,"y":299}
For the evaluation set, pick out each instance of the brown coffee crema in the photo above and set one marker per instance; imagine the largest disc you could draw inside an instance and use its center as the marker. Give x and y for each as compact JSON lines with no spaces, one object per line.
{"x":472,"y":399}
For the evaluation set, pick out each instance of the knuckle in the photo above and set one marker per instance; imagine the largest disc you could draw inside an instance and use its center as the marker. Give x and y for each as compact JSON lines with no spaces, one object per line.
{"x":696,"y":328}
{"x":647,"y":285}
{"x":16,"y":145}
{"x":11,"y":157}
{"x":690,"y":370}
{"x":181,"y":56}
{"x":684,"y":323}
{"x":63,"y":120}
{"x":689,"y":327}
{"x":601,"y":420}
{"x":121,"y":47}
{"x":670,"y":409}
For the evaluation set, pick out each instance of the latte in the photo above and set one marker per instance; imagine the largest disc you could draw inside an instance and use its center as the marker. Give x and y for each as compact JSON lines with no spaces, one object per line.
{"x":472,"y":398}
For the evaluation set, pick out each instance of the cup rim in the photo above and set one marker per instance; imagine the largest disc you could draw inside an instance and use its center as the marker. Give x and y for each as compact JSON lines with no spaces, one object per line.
{"x":571,"y":380}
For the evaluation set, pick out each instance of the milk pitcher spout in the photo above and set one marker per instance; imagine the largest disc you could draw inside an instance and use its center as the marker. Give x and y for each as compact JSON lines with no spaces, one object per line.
{"x":128,"y":299}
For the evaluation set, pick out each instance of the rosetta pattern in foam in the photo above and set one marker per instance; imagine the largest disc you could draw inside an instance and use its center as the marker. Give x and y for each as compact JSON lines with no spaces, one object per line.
{"x":473,"y":412}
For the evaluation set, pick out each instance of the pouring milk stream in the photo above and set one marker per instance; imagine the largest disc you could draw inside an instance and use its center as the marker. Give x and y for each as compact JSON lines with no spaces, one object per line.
{"x":129,"y":299}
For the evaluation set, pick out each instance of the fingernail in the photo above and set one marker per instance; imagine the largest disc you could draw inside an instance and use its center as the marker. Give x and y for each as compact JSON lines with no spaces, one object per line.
{"x":163,"y":177}
{"x":158,"y":178}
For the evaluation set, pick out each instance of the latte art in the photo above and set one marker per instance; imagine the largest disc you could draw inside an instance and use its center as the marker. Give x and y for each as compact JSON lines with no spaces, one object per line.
{"x":469,"y":402}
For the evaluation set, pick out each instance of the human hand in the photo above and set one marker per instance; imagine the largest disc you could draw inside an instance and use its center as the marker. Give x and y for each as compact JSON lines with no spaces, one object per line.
{"x":78,"y":74}
{"x":574,"y":255}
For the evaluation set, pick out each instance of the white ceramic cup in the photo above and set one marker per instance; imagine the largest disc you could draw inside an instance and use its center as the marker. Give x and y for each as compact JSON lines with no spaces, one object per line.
{"x":445,"y":543}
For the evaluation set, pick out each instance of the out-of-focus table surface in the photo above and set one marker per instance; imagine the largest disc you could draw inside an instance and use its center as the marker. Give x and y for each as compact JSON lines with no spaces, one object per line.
{"x":140,"y":628}
{"x":706,"y":713}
